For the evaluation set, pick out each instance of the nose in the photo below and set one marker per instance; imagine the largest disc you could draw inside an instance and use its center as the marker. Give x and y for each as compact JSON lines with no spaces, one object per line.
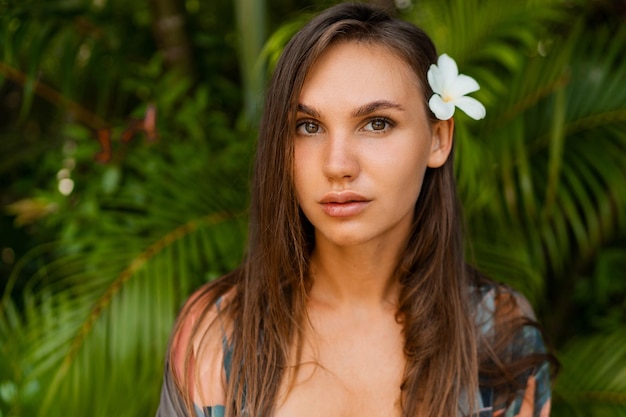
{"x":340,"y":158}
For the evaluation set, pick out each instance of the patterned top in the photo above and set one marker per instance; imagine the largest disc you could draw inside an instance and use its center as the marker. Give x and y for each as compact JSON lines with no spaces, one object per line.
{"x":529,"y":341}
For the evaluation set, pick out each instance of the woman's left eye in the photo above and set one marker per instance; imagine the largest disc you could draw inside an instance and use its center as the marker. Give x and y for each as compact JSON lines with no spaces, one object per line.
{"x":378,"y":124}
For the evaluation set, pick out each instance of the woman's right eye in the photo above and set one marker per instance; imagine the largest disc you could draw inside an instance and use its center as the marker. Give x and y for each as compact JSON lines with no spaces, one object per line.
{"x":308,"y":127}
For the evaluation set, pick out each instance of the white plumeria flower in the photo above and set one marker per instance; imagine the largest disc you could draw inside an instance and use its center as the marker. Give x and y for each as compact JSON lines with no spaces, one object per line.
{"x":450,"y":90}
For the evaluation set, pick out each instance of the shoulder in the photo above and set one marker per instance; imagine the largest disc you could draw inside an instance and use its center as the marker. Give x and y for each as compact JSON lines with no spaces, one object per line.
{"x":497,"y":305}
{"x":509,"y":332}
{"x":197,"y":345}
{"x":506,"y":325}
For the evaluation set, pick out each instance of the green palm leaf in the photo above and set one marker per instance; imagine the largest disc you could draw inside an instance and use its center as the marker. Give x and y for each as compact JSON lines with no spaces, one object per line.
{"x":599,"y":387}
{"x":110,"y":301}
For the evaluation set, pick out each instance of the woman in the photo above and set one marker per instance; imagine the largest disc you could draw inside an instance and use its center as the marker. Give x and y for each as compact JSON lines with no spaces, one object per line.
{"x":355,"y":298}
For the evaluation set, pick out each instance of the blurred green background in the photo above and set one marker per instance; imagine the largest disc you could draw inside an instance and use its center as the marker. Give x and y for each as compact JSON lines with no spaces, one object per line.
{"x":127,"y":130}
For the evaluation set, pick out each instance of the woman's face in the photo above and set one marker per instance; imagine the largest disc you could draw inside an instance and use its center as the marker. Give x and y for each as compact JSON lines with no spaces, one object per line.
{"x":363,"y":142}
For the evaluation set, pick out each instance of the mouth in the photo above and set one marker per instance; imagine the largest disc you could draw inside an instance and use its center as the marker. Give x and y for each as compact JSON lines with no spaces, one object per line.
{"x":344,"y":204}
{"x":344,"y":197}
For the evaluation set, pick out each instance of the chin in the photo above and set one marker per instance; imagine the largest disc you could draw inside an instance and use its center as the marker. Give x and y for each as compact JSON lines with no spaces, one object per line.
{"x":343,"y":239}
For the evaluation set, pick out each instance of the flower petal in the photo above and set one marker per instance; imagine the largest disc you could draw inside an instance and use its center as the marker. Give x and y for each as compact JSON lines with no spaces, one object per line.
{"x":441,"y":109}
{"x":464,"y":84}
{"x":435,"y":79}
{"x":448,"y":68}
{"x":472,"y":107}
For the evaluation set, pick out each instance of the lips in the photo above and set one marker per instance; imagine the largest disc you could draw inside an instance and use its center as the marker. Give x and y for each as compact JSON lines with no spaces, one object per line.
{"x":343,"y":204}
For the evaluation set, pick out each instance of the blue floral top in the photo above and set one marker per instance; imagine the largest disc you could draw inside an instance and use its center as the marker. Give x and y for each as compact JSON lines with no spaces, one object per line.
{"x":529,"y":341}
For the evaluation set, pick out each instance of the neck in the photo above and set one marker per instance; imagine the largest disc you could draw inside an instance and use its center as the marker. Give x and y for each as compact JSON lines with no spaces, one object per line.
{"x":362,"y":275}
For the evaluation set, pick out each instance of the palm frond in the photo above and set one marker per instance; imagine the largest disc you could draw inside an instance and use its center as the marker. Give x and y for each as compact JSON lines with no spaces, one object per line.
{"x":597,"y":388}
{"x":108,"y":307}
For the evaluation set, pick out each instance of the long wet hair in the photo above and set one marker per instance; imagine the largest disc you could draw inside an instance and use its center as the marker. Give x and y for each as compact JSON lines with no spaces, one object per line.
{"x":267,"y":306}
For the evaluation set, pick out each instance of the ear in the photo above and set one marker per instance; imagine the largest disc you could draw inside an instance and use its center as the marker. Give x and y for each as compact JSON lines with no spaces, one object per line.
{"x":441,"y":145}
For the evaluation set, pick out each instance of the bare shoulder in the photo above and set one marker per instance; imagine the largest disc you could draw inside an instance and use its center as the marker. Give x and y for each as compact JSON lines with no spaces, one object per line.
{"x":197,"y":345}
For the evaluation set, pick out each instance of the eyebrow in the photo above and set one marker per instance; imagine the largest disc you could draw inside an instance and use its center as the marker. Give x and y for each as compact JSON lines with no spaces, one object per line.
{"x":303,"y":108}
{"x":361,"y":111}
{"x":375,"y":106}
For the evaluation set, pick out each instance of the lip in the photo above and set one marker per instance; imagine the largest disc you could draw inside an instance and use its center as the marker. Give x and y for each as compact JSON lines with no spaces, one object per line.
{"x":343,"y":204}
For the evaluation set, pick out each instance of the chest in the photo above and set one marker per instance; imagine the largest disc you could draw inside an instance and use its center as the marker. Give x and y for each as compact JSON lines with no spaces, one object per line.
{"x":346,"y":369}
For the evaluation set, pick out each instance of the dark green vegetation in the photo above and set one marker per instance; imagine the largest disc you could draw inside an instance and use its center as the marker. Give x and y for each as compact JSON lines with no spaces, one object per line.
{"x":91,"y":281}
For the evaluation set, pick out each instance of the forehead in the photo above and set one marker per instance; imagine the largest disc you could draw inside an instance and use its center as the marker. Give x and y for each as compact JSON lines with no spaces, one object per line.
{"x":362,"y":71}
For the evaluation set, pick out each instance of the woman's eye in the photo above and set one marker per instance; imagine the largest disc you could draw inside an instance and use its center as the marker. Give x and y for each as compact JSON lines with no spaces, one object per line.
{"x":377,"y":125}
{"x":308,"y":128}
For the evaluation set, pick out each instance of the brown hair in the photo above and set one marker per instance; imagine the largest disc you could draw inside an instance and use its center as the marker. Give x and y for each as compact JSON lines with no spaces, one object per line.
{"x":267,"y":307}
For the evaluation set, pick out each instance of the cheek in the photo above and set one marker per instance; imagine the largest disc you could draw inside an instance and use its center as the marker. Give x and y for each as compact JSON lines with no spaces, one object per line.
{"x":409,"y":187}
{"x":300,"y":164}
{"x":407,"y":192}
{"x":404,"y":170}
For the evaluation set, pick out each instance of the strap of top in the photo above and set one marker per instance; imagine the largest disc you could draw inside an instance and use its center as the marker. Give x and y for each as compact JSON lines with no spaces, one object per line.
{"x":226,"y":347}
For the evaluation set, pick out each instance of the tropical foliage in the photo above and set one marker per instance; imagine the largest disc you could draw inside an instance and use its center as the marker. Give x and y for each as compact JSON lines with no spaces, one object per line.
{"x":126,"y":139}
